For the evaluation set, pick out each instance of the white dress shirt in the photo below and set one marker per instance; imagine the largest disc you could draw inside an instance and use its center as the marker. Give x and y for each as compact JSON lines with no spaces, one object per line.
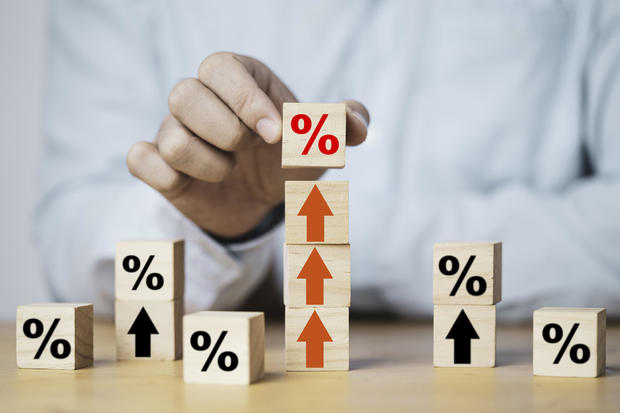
{"x":490,"y":121}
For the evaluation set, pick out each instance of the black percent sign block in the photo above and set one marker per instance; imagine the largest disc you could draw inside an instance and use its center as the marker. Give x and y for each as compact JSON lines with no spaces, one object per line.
{"x":467,"y":273}
{"x":226,"y":360}
{"x":223,"y":347}
{"x":149,"y":270}
{"x":55,"y":336}
{"x":569,"y":342}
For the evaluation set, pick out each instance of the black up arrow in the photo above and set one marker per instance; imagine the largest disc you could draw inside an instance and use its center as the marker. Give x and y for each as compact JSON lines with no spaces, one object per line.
{"x":142,"y":328}
{"x":462,"y":332}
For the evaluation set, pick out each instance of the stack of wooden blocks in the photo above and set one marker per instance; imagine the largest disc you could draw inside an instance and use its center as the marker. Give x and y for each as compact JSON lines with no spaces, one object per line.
{"x":466,"y":287}
{"x":317,"y":257}
{"x":150,"y":281}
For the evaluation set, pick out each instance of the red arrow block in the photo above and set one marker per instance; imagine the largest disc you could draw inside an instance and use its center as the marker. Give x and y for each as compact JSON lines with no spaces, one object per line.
{"x":317,"y":278}
{"x":317,"y":338}
{"x":314,"y":272}
{"x":314,"y":334}
{"x":316,"y":212}
{"x":315,"y":209}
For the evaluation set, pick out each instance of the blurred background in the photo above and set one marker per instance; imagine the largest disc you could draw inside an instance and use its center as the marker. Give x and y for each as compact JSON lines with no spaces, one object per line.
{"x":22,"y":62}
{"x":572,"y":210}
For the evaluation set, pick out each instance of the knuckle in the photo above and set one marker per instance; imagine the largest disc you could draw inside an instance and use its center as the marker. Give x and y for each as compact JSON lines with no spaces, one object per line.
{"x":213,"y":63}
{"x":180,"y":93}
{"x":236,"y":139}
{"x":173,"y":148}
{"x":222,"y":172}
{"x":243,"y":101}
{"x":219,"y":168}
{"x":172,"y":183}
{"x":136,"y":156}
{"x":169,"y":122}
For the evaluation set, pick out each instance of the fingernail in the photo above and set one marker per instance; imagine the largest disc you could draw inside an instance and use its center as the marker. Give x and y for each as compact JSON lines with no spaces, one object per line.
{"x":360,"y":117}
{"x":268,"y":129}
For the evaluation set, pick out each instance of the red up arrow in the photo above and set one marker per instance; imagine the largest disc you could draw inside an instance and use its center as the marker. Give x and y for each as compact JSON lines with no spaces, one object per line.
{"x":314,"y":334}
{"x":314,"y":272}
{"x":315,"y":209}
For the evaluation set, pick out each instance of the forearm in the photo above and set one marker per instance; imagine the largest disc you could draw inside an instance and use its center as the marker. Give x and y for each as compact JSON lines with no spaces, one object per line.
{"x":559,"y":248}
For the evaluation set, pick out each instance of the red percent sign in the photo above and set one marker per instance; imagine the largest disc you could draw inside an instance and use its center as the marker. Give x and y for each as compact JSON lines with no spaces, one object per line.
{"x":307,"y":125}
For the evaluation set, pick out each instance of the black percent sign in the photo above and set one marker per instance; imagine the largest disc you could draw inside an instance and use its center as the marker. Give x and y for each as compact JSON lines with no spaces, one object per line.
{"x":475,"y":285}
{"x":131,"y":264}
{"x":226,"y":361}
{"x":553,"y":333}
{"x":59,"y":348}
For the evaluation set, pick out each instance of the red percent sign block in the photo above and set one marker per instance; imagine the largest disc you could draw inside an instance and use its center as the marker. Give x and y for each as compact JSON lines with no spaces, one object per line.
{"x":314,"y":135}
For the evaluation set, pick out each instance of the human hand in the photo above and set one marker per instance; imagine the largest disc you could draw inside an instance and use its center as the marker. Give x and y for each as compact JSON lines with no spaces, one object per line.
{"x":216,"y":156}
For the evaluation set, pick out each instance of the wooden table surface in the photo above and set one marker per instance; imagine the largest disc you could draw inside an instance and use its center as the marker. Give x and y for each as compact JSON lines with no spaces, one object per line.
{"x":391,"y":370}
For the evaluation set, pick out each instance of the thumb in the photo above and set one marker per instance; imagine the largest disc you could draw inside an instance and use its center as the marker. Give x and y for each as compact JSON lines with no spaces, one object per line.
{"x":357,"y":122}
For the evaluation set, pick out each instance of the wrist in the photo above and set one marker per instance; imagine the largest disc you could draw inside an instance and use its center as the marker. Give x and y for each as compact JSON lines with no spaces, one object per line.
{"x":274,"y":217}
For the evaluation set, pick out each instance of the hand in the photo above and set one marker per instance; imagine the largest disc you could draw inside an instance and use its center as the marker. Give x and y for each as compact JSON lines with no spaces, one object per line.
{"x":215,"y":158}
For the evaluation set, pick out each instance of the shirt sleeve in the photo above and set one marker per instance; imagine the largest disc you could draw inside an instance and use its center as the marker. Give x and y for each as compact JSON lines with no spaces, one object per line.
{"x":560,"y":248}
{"x":104,"y":92}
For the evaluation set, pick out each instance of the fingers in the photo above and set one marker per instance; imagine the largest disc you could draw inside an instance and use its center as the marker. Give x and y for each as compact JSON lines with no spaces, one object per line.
{"x":145,"y":163}
{"x":236,"y":95}
{"x":177,"y":156}
{"x":202,"y":112}
{"x":243,"y":84}
{"x":189,"y":154}
{"x":357,"y":122}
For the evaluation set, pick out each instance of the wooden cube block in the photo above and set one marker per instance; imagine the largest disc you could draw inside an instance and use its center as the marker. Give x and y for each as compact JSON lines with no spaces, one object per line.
{"x":223,"y":347}
{"x":317,"y":275}
{"x":55,"y":336}
{"x":316,"y":212}
{"x":148,"y":330}
{"x":464,"y":336}
{"x":467,"y":273}
{"x":150,"y":270}
{"x":569,"y":342}
{"x":317,"y":338}
{"x":314,"y":135}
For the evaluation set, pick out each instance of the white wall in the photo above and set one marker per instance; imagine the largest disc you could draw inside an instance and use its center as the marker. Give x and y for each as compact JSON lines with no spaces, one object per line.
{"x":22,"y":57}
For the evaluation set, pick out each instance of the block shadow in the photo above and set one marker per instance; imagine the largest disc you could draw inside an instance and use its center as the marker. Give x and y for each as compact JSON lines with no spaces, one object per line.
{"x":369,"y":362}
{"x":612,"y":371}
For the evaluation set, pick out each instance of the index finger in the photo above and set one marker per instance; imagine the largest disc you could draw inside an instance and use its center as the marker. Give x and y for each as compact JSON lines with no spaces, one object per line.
{"x":240,"y":82}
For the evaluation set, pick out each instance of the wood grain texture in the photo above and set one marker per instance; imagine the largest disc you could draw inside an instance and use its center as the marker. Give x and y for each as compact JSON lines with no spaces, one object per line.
{"x":391,"y":371}
{"x":486,"y":264}
{"x":75,"y":325}
{"x":245,"y":337}
{"x":167,"y":318}
{"x":590,"y":332}
{"x":336,"y":290}
{"x":293,"y":143}
{"x":336,"y":195}
{"x":336,"y":352}
{"x":482,"y":318}
{"x":168,"y":261}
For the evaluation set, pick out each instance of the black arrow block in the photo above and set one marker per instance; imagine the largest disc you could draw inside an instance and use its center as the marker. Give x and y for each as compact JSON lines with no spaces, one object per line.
{"x":462,"y":332}
{"x":142,"y":328}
